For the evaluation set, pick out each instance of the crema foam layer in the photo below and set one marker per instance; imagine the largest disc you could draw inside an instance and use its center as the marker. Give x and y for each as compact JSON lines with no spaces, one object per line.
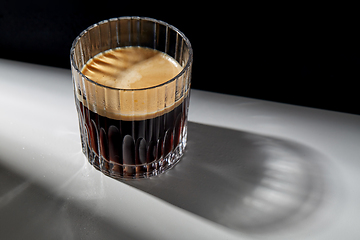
{"x":128,"y":71}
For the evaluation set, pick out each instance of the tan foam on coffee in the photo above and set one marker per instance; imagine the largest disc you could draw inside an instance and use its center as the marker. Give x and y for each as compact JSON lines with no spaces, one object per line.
{"x":132,"y":68}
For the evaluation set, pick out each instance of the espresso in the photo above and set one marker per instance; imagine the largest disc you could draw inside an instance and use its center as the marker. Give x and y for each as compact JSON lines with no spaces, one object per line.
{"x":131,"y":68}
{"x":134,"y":123}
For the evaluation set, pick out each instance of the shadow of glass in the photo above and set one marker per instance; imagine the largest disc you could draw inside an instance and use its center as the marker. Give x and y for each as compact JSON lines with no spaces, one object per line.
{"x":243,"y":181}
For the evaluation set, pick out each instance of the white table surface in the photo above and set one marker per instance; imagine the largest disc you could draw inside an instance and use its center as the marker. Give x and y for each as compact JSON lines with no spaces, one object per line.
{"x":253,"y":169}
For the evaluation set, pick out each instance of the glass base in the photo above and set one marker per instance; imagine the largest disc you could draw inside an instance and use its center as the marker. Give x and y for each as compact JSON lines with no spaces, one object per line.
{"x":125,"y":171}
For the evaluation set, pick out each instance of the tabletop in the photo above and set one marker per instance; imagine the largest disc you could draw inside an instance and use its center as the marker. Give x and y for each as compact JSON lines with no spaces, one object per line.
{"x":252,"y":169}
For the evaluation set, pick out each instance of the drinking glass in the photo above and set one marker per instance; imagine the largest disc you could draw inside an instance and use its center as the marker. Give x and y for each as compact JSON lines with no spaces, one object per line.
{"x":132,"y":133}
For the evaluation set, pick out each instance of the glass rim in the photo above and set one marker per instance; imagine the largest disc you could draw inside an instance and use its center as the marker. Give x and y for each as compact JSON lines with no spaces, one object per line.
{"x":185,"y":68}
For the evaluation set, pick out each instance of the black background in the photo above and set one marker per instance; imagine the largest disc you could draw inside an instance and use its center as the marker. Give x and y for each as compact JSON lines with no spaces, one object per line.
{"x":299,"y":54}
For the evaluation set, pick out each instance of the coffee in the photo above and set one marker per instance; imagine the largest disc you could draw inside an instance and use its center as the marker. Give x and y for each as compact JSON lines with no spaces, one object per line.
{"x":131,"y":68}
{"x":135,"y":122}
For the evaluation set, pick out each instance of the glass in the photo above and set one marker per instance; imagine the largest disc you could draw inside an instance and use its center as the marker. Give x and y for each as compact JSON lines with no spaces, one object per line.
{"x":132,"y":146}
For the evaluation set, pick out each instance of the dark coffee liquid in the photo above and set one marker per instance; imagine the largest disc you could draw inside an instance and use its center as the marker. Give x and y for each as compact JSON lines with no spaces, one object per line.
{"x":122,"y":147}
{"x":132,"y":133}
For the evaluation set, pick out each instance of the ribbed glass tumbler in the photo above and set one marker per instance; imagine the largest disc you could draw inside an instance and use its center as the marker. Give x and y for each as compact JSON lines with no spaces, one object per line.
{"x":132,"y":133}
